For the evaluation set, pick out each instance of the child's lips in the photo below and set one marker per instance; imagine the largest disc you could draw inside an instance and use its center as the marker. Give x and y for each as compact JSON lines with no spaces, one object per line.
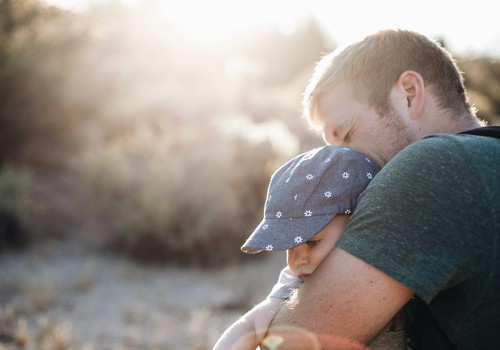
{"x":304,"y":275}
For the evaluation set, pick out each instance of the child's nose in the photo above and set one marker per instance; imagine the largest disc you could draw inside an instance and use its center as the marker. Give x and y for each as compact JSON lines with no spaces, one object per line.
{"x":301,"y":257}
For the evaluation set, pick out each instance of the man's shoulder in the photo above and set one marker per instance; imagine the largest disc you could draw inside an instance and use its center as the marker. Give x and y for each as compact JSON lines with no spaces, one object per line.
{"x":443,"y":156}
{"x":475,"y":136}
{"x":491,"y":131}
{"x":448,"y":146}
{"x":487,"y":134}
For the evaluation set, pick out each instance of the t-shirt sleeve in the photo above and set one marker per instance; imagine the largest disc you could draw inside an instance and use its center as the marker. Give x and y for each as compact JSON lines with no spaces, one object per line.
{"x":413,"y":221}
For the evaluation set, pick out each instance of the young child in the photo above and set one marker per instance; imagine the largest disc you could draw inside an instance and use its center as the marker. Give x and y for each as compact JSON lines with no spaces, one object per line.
{"x":309,"y":200}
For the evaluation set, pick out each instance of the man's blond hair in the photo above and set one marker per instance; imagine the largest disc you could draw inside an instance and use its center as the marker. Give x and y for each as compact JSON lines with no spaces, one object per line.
{"x":371,"y":67}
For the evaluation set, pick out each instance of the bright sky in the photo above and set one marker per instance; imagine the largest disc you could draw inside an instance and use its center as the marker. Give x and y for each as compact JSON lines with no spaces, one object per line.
{"x":467,"y":27}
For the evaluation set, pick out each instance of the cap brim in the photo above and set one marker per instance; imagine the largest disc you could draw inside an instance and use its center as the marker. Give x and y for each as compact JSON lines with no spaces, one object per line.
{"x":283,"y":234}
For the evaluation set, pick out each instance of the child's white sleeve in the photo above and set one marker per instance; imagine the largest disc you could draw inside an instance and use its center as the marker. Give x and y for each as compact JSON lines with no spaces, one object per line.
{"x":249,"y":330}
{"x":285,"y":286}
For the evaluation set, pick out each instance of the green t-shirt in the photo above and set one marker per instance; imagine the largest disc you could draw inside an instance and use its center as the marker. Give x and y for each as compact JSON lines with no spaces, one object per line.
{"x":431,"y":220}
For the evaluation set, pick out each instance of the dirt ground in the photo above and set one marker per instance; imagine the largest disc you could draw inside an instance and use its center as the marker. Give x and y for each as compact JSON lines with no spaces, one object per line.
{"x":61,"y":296}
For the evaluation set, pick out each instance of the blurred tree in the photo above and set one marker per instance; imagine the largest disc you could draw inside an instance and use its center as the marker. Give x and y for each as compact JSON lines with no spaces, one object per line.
{"x":155,"y":160}
{"x":135,"y":108}
{"x":482,"y":80}
{"x":37,"y":44}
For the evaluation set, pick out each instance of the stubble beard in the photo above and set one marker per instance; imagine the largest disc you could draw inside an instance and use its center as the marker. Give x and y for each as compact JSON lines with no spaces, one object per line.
{"x":397,"y":134}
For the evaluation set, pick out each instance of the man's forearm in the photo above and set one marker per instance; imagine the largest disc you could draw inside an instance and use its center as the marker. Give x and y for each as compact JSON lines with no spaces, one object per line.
{"x":293,"y":329}
{"x":343,"y":305}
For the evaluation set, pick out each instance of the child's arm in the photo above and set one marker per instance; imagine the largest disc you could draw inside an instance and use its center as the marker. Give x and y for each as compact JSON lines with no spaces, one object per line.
{"x":248,"y":331}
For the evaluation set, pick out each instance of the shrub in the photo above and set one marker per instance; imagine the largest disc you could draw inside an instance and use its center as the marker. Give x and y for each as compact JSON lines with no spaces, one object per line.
{"x":21,"y":209}
{"x":168,"y":197}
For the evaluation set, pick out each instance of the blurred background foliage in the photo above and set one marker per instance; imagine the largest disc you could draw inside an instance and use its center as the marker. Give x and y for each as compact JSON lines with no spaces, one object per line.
{"x":120,"y":131}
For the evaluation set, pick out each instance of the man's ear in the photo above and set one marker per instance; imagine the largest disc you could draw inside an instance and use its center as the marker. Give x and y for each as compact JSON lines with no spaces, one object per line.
{"x":412,"y":85}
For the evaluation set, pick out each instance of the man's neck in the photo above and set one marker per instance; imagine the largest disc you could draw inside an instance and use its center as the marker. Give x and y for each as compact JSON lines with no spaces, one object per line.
{"x":455,"y":127}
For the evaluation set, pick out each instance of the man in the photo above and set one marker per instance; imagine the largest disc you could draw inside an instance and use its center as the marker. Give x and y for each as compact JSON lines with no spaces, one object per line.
{"x":427,"y":229}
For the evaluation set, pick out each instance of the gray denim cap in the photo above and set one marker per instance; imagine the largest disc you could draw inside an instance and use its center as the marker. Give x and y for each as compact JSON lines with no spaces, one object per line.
{"x":306,"y":193}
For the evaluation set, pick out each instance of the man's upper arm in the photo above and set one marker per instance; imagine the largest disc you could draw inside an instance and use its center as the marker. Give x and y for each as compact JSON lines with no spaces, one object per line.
{"x":343,"y":305}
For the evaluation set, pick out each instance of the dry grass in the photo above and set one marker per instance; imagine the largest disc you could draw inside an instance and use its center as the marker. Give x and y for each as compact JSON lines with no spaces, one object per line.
{"x":15,"y":333}
{"x":101,"y":303}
